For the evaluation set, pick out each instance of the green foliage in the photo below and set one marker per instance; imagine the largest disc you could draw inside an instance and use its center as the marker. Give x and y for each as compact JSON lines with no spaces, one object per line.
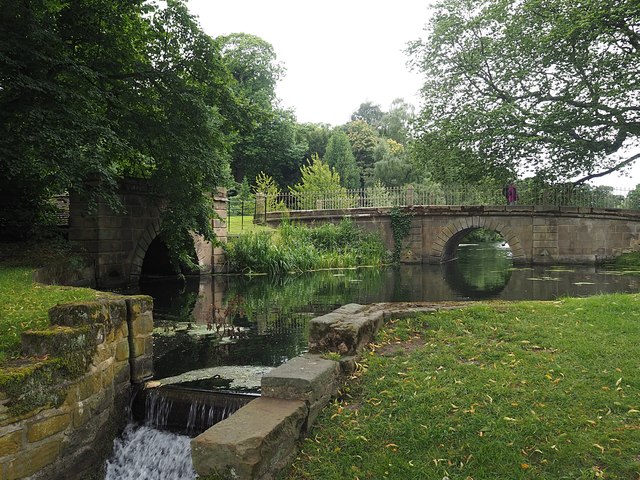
{"x":320,"y":187}
{"x":482,"y":235}
{"x":364,"y":139}
{"x":294,"y":248}
{"x":267,"y":186}
{"x":340,"y":157}
{"x":400,"y":228}
{"x":633,"y":199}
{"x":99,"y":90}
{"x":628,"y":261}
{"x":316,"y":136}
{"x":545,"y":86}
{"x":509,"y":391}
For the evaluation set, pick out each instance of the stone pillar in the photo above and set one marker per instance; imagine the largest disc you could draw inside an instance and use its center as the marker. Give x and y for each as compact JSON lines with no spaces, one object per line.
{"x":261,"y":209}
{"x":410,"y":199}
{"x":220,"y":203}
{"x":140,"y":321}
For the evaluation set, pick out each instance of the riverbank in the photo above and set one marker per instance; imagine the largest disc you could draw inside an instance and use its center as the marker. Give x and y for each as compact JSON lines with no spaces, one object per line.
{"x":502,"y":390}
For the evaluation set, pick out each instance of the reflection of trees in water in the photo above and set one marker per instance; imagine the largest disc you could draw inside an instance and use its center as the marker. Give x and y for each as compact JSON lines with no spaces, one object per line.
{"x":481,"y":271}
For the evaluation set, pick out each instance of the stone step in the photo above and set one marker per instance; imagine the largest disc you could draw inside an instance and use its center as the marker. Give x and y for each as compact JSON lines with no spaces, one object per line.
{"x":59,"y":340}
{"x":255,"y":443}
{"x":309,"y":378}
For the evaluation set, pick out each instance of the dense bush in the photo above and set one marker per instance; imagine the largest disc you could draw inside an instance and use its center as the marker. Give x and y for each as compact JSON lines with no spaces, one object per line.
{"x":295,"y":248}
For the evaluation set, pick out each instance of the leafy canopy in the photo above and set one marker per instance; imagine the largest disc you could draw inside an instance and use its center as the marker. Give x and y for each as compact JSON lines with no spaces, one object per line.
{"x":549,"y":86}
{"x":101,"y":89}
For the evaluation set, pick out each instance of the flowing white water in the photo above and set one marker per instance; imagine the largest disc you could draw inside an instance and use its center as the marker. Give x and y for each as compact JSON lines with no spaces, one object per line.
{"x":143,"y":453}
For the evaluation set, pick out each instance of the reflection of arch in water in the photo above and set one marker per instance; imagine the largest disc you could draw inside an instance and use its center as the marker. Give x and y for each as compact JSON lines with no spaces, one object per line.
{"x":447,"y":242}
{"x":487,"y":285}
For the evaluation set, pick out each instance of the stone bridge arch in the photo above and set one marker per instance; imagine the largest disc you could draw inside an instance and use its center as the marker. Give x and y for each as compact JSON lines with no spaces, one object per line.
{"x":449,"y":237}
{"x":117,"y":242}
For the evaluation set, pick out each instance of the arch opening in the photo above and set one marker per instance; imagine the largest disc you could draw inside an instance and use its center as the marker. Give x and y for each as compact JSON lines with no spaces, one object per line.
{"x":480,"y":262}
{"x":159,"y":262}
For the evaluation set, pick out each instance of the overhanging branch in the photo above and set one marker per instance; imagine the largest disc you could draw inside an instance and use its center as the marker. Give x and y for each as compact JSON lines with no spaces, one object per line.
{"x":608,"y":171}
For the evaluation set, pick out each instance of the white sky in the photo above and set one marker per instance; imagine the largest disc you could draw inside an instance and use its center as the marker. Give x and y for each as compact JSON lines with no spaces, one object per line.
{"x":337,"y":54}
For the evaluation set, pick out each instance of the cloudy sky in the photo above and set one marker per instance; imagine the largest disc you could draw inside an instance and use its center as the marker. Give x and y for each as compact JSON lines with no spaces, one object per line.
{"x":338,"y":54}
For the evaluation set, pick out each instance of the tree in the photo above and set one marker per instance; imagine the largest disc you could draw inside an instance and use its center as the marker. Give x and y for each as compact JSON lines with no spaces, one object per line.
{"x":253,"y":63}
{"x":550,"y":86}
{"x":102,"y":89}
{"x":395,"y":123}
{"x":340,"y":157}
{"x":316,"y":136}
{"x":320,"y":184}
{"x":364,"y":139}
{"x":370,"y":113}
{"x":270,"y":139}
{"x":274,"y":145}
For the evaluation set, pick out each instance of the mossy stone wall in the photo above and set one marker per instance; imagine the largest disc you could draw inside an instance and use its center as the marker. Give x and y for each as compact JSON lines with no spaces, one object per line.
{"x":62,"y":406}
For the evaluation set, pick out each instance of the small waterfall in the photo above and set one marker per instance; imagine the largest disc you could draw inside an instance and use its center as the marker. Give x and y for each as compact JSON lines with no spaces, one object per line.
{"x":157,"y":409}
{"x":203,"y":413}
{"x":149,"y":453}
{"x":143,"y":453}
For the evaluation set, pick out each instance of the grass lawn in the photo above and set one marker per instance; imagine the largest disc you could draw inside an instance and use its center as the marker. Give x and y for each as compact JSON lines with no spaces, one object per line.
{"x":237,"y":224}
{"x":526,"y":390}
{"x":24,"y":305}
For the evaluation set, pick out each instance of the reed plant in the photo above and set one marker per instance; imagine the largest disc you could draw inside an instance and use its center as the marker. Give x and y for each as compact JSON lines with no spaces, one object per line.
{"x":296,"y":248}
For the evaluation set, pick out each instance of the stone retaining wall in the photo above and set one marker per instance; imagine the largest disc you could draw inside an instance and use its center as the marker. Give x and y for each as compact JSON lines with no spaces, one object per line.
{"x":260,"y":439}
{"x":61,"y":408}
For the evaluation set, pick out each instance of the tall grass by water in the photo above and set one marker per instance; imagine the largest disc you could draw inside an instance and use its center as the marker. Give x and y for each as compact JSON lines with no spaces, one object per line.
{"x":526,"y":390}
{"x":295,"y":248}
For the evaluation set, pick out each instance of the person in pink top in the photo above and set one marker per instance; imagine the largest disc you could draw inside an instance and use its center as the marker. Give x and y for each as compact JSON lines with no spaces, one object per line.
{"x":512,"y":194}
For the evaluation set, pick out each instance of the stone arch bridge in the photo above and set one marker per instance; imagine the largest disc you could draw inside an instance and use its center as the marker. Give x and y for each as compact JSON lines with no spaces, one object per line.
{"x":117,"y":243}
{"x":536,"y":234}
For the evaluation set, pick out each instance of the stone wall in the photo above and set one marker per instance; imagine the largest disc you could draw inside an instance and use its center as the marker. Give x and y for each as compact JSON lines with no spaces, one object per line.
{"x":62,"y":406}
{"x":536,"y":234}
{"x":116,"y":242}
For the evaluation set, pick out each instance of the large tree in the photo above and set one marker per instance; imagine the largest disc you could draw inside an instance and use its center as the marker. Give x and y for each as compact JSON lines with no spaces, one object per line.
{"x":549,"y":86}
{"x":104,"y":88}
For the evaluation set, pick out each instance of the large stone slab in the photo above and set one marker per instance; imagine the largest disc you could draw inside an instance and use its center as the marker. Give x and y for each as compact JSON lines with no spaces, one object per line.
{"x":309,"y":378}
{"x":345,"y":330}
{"x":255,"y":443}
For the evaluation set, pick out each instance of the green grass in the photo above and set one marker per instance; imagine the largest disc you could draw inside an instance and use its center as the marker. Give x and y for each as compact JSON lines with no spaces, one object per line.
{"x":24,"y":305}
{"x":237,"y":224}
{"x":529,"y":390}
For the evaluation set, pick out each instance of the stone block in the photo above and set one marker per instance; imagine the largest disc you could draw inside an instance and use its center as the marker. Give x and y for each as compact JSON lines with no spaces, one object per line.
{"x":32,"y":460}
{"x":90,"y":384}
{"x":255,"y":443}
{"x":344,"y":331}
{"x":10,"y":442}
{"x":122,"y":350}
{"x":309,"y":377}
{"x":48,"y":427}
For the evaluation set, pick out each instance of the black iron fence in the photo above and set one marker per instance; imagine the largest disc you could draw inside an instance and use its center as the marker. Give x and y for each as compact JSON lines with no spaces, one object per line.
{"x":242,"y":212}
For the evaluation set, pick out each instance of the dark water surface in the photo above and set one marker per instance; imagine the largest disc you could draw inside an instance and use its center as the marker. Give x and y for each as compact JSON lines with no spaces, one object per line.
{"x":209,"y":326}
{"x":234,"y":320}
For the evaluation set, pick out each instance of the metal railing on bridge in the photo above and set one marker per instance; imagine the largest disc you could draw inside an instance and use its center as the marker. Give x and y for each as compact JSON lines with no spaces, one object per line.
{"x":242,"y":212}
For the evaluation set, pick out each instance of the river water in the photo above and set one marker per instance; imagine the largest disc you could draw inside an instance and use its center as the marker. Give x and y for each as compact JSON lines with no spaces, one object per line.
{"x":213,"y":323}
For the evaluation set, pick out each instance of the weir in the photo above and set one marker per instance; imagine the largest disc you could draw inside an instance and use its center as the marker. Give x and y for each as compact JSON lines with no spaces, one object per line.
{"x":185,"y":410}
